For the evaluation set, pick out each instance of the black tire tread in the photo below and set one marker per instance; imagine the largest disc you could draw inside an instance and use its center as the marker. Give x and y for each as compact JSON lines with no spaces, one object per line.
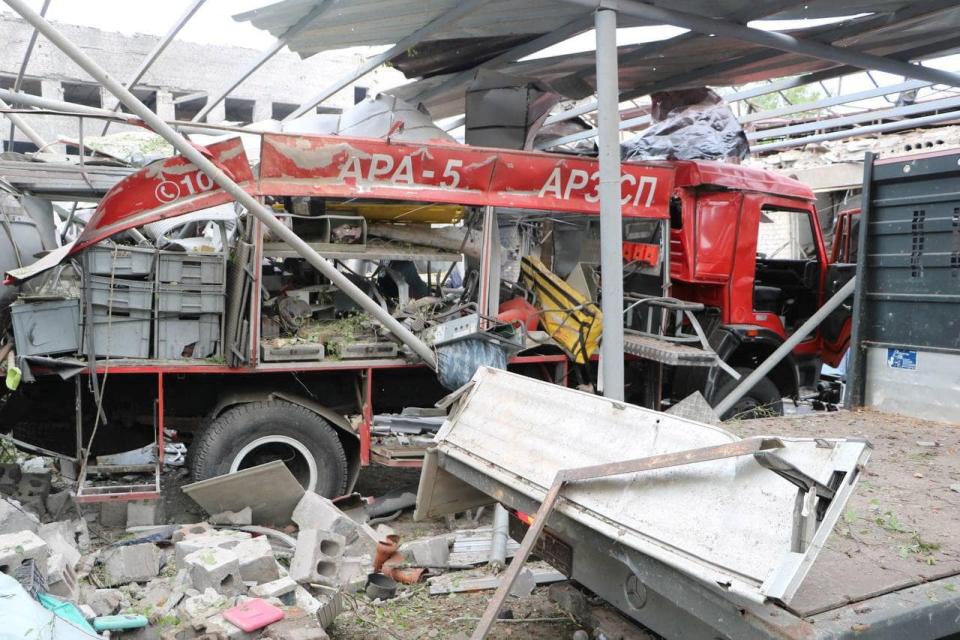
{"x":231,"y":424}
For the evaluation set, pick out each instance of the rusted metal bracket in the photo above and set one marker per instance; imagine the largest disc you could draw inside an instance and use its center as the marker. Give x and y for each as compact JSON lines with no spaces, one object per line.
{"x":744,"y":447}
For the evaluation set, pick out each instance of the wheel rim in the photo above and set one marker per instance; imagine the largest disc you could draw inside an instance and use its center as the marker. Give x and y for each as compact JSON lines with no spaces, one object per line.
{"x":292,"y":452}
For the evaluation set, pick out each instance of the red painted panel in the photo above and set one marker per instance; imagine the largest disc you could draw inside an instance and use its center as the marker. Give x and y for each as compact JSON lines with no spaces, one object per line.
{"x":357,"y":167}
{"x":715,"y":235}
{"x":165,"y":189}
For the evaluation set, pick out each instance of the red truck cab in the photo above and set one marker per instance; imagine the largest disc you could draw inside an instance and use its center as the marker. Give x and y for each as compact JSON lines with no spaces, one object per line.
{"x":747,"y":244}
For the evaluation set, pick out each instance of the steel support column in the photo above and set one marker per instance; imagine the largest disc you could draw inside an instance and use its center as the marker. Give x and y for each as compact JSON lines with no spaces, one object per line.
{"x":611,"y":233}
{"x":281,"y":42}
{"x":439,"y":23}
{"x":157,"y":50}
{"x":199,"y":160}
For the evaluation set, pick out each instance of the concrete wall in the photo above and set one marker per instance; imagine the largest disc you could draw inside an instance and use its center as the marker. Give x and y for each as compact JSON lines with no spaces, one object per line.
{"x":183,"y":68}
{"x":930,"y":391}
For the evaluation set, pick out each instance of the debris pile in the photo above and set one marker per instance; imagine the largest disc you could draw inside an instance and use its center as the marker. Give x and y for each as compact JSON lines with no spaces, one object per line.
{"x":244,"y":572}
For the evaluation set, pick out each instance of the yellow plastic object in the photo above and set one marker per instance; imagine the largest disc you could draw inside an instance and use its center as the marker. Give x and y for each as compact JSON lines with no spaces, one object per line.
{"x":409,"y":212}
{"x":571,"y":319}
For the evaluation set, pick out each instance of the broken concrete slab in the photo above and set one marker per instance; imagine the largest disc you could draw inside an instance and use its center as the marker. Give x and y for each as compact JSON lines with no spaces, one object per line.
{"x":195,"y":610}
{"x":317,"y":557}
{"x":427,"y":552}
{"x":275,"y":588}
{"x":14,"y":518}
{"x":303,"y":599}
{"x":353,"y":571}
{"x":237,"y":518}
{"x":257,"y":563}
{"x":130,"y":563}
{"x":297,"y":625}
{"x":104,"y":602}
{"x":215,"y":568}
{"x":316,"y":512}
{"x":187,"y":530}
{"x":270,"y":490}
{"x":220,"y":628}
{"x":59,"y":537}
{"x":16,"y":548}
{"x":524,"y":584}
{"x":223,"y":539}
{"x":60,"y":504}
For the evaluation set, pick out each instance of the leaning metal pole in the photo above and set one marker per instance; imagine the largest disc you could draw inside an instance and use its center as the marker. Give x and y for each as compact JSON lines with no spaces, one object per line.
{"x":774,"y":358}
{"x":611,"y":234}
{"x":182,"y":145}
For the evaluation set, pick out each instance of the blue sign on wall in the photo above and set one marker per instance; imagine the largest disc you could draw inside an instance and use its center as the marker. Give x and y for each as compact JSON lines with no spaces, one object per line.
{"x":901,"y":359}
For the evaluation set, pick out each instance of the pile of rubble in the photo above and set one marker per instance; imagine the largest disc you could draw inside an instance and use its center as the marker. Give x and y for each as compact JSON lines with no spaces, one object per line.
{"x":230,"y":576}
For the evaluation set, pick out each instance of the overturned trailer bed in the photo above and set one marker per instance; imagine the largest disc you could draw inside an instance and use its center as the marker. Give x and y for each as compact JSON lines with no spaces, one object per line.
{"x":722,"y":548}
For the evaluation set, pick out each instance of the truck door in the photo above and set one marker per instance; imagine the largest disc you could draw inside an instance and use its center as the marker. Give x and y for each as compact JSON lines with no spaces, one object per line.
{"x":789,"y":262}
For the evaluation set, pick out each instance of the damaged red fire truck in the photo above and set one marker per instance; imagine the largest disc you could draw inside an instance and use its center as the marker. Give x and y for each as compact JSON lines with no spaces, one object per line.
{"x":236,"y":347}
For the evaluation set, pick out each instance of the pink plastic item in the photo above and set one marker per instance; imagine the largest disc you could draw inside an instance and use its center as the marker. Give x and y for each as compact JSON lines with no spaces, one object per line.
{"x":253,"y":614}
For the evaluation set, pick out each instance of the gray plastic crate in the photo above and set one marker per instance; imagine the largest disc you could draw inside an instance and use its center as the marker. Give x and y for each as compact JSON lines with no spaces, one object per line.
{"x":190,"y":268}
{"x":129,"y":262}
{"x":179,"y":338}
{"x":190,"y":300}
{"x":48,"y":327}
{"x":121,"y":294}
{"x":121,"y":334}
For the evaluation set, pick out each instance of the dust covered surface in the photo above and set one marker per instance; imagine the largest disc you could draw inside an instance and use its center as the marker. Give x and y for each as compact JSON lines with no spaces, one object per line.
{"x":900,"y":527}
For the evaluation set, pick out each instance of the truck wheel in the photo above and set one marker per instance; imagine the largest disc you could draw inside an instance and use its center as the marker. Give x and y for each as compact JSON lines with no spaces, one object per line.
{"x":763,"y":401}
{"x":259,"y":432}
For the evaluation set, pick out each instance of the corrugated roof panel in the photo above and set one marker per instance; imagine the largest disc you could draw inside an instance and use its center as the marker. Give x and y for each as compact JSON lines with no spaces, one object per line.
{"x":379,"y":22}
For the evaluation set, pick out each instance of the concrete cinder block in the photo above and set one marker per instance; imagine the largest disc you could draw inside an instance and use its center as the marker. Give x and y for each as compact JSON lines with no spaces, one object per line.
{"x":113,"y":515}
{"x":142,"y":513}
{"x":33,"y":489}
{"x":316,"y":512}
{"x":131,"y":563}
{"x":15,"y":548}
{"x":222,"y":539}
{"x":9,"y":478}
{"x":61,"y":577}
{"x":257,"y":563}
{"x":317,"y":557}
{"x":428,"y":552}
{"x":13,"y":518}
{"x":215,"y":568}
{"x":274,"y":589}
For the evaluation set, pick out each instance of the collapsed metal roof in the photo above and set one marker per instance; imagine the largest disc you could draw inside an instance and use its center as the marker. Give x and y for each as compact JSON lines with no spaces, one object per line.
{"x":445,"y":41}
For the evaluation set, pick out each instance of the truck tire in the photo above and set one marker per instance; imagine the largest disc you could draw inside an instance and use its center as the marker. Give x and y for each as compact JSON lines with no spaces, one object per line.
{"x":763,"y":401}
{"x":259,"y":432}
